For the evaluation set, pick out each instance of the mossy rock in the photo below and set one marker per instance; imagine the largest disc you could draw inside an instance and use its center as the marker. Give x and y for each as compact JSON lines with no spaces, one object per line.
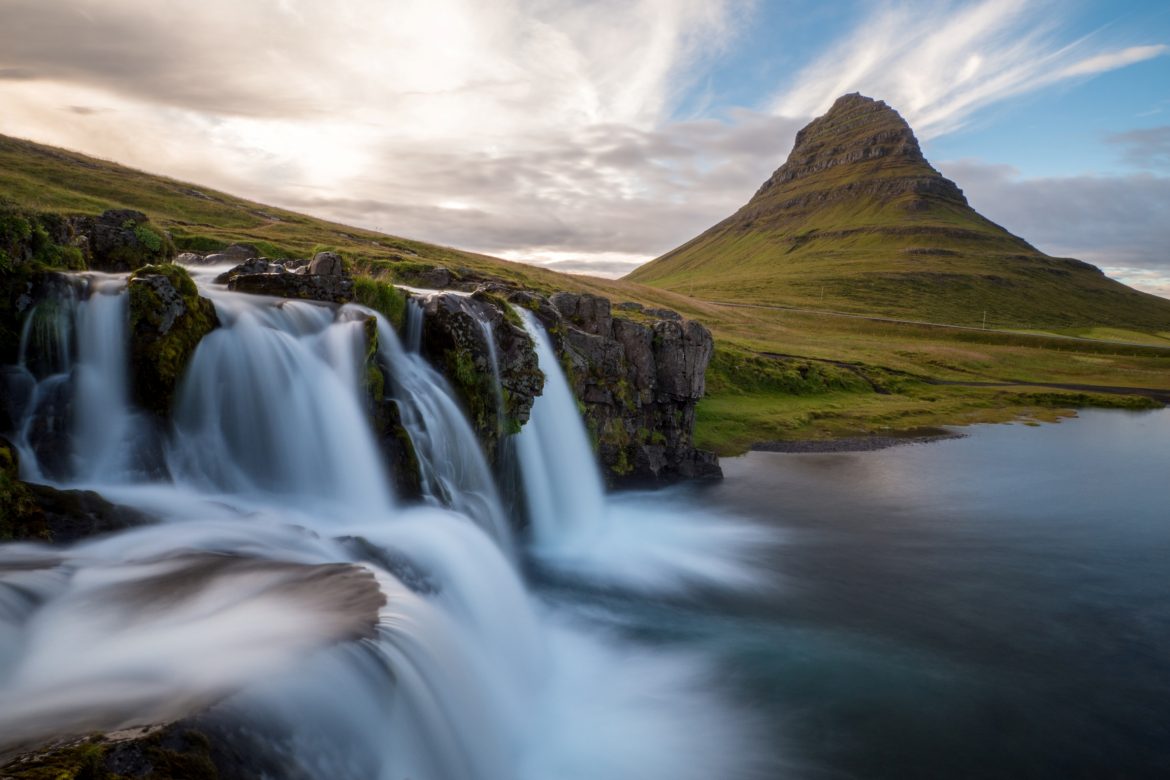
{"x":124,"y":240}
{"x":21,"y":517}
{"x":169,"y":753}
{"x":384,"y":298}
{"x":168,"y":318}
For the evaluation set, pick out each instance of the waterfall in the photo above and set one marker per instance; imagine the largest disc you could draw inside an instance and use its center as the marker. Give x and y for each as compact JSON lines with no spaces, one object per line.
{"x":414,"y":324}
{"x":287,"y":588}
{"x":451,"y":463}
{"x":71,"y":386}
{"x":562,"y":486}
{"x":264,"y":412}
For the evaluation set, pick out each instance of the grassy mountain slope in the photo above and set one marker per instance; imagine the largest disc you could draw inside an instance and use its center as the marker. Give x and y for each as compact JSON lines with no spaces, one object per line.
{"x":43,"y":178}
{"x":776,"y":374}
{"x":857,"y":220}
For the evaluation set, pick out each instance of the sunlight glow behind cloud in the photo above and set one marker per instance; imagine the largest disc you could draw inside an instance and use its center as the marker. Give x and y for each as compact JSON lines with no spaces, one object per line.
{"x":541,"y":130}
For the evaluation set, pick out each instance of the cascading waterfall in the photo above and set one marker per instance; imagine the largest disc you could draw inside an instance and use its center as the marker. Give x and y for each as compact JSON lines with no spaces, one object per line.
{"x":71,"y":386}
{"x":414,"y":324}
{"x":562,"y":485}
{"x":282,"y":543}
{"x":451,"y":463}
{"x":263,"y":411}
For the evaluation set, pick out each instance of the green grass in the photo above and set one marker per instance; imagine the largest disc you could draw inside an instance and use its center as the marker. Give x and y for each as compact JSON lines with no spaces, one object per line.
{"x":868,"y":235}
{"x":845,"y":375}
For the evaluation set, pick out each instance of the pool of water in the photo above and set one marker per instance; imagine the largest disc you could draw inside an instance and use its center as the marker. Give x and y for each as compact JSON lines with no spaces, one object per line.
{"x":996,"y":606}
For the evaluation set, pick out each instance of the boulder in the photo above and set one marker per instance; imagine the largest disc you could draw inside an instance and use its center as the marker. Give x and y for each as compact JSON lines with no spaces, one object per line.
{"x":292,"y":279}
{"x":39,"y":513}
{"x":120,"y":240}
{"x":327,"y":264}
{"x":168,"y":318}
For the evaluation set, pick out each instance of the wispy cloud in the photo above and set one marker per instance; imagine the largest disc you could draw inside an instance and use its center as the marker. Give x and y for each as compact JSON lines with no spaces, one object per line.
{"x":1147,"y":148}
{"x":940,"y":63}
{"x":540,"y":130}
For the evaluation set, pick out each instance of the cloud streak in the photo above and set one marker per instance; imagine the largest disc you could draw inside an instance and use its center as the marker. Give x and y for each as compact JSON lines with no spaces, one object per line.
{"x":539,"y":130}
{"x":941,"y":63}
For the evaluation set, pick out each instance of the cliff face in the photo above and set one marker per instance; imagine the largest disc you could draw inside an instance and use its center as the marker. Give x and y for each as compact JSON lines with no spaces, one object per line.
{"x":638,"y":379}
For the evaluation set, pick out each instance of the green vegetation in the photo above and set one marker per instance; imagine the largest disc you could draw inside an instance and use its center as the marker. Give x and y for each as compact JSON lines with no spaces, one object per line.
{"x":858,"y":221}
{"x":20,"y":515}
{"x":777,"y":373}
{"x":382,"y":297}
{"x":168,"y":318}
{"x":166,"y":754}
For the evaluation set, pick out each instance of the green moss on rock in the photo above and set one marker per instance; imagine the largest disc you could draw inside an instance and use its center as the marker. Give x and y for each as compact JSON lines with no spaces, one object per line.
{"x":21,"y":517}
{"x":168,"y":318}
{"x":386,"y":299}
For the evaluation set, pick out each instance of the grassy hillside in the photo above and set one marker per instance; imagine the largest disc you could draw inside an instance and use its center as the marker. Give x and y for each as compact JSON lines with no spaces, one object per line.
{"x":776,"y":374}
{"x":858,"y":221}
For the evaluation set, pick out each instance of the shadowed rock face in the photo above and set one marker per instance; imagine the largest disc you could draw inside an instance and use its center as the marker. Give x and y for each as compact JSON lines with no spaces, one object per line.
{"x":456,"y":342}
{"x":638,"y":381}
{"x":324,"y":278}
{"x":867,"y":135}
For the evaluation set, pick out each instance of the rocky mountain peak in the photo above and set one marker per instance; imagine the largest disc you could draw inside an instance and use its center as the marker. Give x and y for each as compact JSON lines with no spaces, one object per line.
{"x":859,"y":137}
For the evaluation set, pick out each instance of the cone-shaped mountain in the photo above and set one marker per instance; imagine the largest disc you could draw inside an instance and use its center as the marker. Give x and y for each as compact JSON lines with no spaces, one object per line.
{"x":858,"y":220}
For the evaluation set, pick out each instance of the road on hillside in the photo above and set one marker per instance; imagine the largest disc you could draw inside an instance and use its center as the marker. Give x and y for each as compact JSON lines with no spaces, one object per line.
{"x":894,"y":320}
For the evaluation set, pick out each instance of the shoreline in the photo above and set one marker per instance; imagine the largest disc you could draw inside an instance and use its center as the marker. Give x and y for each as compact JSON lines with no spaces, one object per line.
{"x":867,"y":443}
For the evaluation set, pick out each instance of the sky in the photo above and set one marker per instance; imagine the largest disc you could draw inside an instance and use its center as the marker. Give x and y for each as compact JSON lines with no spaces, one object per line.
{"x":594,"y":136}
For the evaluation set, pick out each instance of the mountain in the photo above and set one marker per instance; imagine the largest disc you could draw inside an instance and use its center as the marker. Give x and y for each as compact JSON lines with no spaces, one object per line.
{"x":857,"y":220}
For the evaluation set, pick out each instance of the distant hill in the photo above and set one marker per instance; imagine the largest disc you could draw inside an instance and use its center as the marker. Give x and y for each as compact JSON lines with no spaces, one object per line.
{"x":857,"y":220}
{"x":44,"y":178}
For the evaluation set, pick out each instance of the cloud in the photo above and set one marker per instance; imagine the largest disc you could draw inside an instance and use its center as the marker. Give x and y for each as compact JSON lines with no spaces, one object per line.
{"x":1115,"y":222}
{"x":941,"y":63}
{"x":541,"y":130}
{"x":1148,"y":148}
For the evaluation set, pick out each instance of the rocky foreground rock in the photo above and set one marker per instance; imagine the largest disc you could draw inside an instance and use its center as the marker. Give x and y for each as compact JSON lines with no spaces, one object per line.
{"x":324,"y":278}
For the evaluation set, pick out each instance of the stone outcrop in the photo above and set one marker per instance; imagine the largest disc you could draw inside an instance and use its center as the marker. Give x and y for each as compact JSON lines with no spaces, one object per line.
{"x":168,"y":317}
{"x":325,"y":278}
{"x":39,"y":513}
{"x":119,"y":240}
{"x":455,"y":340}
{"x":638,"y":381}
{"x":637,"y":378}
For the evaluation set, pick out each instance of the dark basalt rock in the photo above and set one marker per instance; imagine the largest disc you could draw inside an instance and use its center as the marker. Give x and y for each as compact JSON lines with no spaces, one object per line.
{"x":168,"y":318}
{"x":638,"y":382}
{"x":119,"y":240}
{"x":40,"y":513}
{"x":323,"y":279}
{"x":455,"y":340}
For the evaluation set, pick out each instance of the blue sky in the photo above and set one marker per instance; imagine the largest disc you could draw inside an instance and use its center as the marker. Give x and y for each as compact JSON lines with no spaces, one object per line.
{"x":592,"y":136}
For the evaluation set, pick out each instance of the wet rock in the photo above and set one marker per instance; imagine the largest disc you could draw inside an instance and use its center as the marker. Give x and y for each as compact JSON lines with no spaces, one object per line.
{"x":41,"y":513}
{"x":638,"y":382}
{"x":454,"y":340}
{"x":291,"y":279}
{"x":168,"y":318}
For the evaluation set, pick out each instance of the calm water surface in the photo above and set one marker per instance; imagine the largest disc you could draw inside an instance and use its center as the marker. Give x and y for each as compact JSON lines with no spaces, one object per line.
{"x":991,"y":607}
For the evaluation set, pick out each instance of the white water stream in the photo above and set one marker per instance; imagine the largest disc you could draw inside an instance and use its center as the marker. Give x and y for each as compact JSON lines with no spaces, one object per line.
{"x":280,"y":537}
